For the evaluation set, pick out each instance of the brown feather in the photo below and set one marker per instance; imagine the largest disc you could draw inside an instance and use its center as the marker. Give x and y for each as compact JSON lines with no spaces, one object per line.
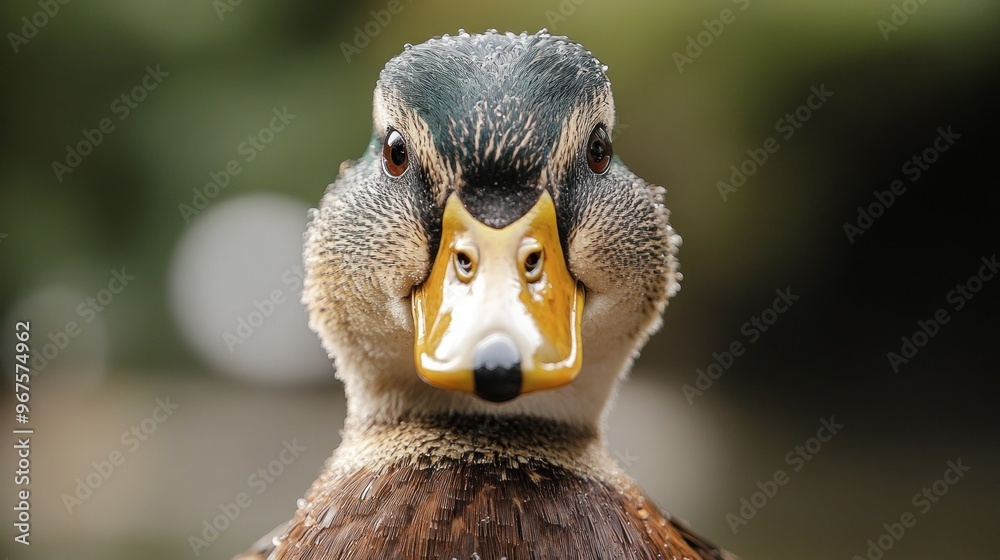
{"x":492,"y":502}
{"x":458,"y":509}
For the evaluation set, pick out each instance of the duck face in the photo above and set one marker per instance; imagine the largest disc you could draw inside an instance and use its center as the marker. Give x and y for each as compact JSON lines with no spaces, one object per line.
{"x":488,"y":240}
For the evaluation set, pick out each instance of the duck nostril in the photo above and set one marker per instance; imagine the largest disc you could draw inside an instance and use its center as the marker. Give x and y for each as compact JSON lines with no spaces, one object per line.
{"x":533,"y":266}
{"x":497,"y":369}
{"x":464,"y":265}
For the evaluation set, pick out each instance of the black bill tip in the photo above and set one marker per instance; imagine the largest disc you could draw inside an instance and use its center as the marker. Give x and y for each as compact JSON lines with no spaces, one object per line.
{"x":497,"y":369}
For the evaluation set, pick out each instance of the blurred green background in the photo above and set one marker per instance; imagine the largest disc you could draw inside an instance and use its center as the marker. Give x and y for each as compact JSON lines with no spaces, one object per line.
{"x":214,"y":74}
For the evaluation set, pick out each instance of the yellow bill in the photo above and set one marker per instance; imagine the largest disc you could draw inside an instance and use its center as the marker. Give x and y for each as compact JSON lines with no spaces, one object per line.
{"x":500,"y":314}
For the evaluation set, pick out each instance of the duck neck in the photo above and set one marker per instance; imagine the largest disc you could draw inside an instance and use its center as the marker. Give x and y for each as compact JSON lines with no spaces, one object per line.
{"x":473,"y":438}
{"x":396,"y":395}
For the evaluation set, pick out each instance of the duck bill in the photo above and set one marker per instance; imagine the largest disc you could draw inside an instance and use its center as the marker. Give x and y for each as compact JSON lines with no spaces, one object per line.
{"x":500,"y":314}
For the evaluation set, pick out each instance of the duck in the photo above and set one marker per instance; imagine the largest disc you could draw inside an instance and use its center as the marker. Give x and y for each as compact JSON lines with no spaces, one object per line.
{"x":483,"y":278}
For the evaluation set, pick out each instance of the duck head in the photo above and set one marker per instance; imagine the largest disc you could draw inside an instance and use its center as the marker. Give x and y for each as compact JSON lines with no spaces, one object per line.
{"x":488,"y":254}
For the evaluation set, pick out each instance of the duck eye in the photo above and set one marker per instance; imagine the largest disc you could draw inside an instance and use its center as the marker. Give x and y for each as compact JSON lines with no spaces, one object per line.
{"x":599,"y":150}
{"x":395,"y":160}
